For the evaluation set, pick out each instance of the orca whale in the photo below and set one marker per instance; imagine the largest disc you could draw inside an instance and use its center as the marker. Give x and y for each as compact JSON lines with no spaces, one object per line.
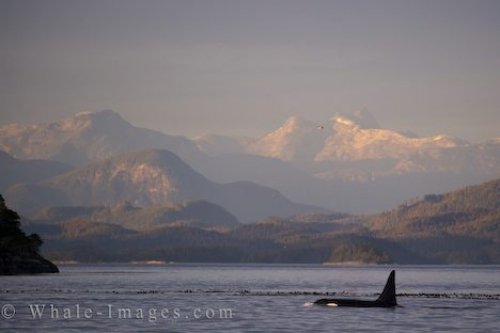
{"x":386,"y":300}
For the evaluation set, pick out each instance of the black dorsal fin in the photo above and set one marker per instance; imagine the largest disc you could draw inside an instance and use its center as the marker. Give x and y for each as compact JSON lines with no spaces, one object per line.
{"x":388,"y":296}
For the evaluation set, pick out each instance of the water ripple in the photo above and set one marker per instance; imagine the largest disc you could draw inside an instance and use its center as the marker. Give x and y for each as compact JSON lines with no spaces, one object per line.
{"x":245,"y":292}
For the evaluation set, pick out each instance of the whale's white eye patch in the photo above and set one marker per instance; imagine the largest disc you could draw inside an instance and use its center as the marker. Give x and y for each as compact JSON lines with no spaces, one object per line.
{"x":332,"y":304}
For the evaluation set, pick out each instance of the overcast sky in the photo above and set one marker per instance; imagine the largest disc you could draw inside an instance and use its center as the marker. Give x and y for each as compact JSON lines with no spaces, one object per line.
{"x":242,"y":67}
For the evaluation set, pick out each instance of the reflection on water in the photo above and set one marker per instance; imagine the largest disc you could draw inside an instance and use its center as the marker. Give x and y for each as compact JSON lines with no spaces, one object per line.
{"x":248,"y":298}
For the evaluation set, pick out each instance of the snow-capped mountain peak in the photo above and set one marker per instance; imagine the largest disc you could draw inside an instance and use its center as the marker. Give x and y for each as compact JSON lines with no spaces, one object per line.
{"x":359,"y":119}
{"x":344,"y":121}
{"x":296,"y":139}
{"x":351,"y":142}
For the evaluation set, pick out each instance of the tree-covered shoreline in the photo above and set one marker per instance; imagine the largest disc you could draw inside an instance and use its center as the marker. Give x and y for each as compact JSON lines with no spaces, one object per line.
{"x":19,"y":253}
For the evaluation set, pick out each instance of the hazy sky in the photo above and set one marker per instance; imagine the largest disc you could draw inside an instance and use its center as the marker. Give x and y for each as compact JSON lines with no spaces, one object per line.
{"x":242,"y":67}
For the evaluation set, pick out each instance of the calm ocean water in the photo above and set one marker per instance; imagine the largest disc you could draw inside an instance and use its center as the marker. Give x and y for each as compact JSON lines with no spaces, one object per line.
{"x":248,"y":298}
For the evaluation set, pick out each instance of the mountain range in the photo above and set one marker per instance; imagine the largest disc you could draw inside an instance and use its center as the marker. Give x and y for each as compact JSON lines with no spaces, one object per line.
{"x":149,"y":178}
{"x":87,"y":137}
{"x":345,"y":164}
{"x":96,"y":187}
{"x":341,"y":165}
{"x":347,"y":137}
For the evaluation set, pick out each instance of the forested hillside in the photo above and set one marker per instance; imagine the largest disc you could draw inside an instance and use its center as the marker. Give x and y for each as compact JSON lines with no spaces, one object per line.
{"x":460,"y":227}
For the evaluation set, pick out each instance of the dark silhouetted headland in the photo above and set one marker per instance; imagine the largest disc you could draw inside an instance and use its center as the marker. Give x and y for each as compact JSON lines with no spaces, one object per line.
{"x":18,"y":252}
